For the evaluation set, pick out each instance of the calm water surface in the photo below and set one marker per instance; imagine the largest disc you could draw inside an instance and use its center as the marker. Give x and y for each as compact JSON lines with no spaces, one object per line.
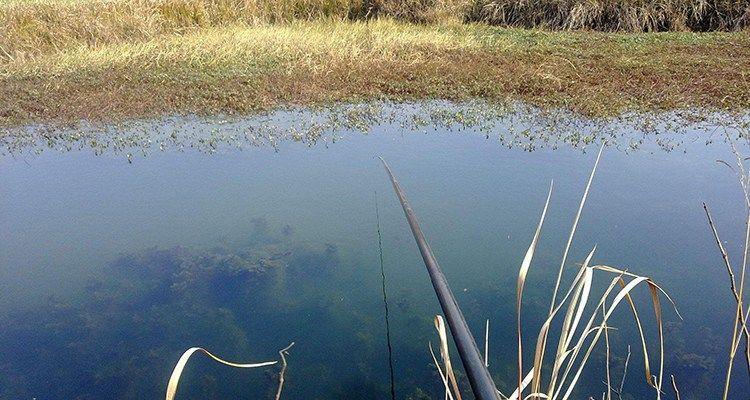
{"x":109,"y":269}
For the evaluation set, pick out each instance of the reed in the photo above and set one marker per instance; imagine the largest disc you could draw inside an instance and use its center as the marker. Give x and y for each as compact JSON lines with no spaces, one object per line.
{"x":179,"y":368}
{"x":585,"y":319}
{"x":174,"y":379}
{"x":616,"y":15}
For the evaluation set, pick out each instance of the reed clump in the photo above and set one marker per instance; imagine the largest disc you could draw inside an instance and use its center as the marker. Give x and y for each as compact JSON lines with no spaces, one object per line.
{"x":582,"y":328}
{"x":617,"y":15}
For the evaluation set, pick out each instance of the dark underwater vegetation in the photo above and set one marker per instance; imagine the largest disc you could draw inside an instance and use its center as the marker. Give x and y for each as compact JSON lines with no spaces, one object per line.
{"x":120,"y":335}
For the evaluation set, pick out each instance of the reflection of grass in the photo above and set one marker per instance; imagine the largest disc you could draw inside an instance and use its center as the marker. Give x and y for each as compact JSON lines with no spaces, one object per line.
{"x":243,"y":67}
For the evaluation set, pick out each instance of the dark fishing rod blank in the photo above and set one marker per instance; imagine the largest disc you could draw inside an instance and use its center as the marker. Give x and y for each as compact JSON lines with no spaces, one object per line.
{"x":479,"y":377}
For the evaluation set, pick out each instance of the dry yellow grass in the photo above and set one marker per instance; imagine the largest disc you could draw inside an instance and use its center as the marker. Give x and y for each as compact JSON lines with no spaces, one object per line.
{"x":32,"y":27}
{"x":38,"y":26}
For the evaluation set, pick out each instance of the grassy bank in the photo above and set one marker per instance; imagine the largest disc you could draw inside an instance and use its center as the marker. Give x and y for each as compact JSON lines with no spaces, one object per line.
{"x":131,"y":58}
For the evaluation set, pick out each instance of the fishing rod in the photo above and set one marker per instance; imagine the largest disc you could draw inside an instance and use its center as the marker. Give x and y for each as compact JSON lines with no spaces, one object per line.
{"x":479,"y":377}
{"x":385,"y":304}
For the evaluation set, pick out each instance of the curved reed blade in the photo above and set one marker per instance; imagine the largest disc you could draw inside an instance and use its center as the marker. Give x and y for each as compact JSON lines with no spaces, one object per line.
{"x":445,"y":354}
{"x":574,"y":228}
{"x":174,"y":379}
{"x":542,"y":336}
{"x":542,"y":340}
{"x":479,"y":377}
{"x":524,"y":383}
{"x":622,"y":294}
{"x":572,"y":319}
{"x":523,"y":271}
{"x":448,"y":394}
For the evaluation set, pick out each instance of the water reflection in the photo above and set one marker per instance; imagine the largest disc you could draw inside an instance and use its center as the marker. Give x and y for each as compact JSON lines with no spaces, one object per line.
{"x":510,"y":125}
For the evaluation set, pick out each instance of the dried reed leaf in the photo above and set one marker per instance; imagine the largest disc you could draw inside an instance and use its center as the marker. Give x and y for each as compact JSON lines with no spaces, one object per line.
{"x":542,"y":341}
{"x":524,"y":270}
{"x":524,"y":383}
{"x":570,"y":323}
{"x":658,"y":314}
{"x":574,"y":228}
{"x":622,"y":294}
{"x":448,"y":394}
{"x":543,"y":332}
{"x":536,"y":395}
{"x":445,"y":354}
{"x":644,"y":348}
{"x":575,"y":350}
{"x":174,"y":379}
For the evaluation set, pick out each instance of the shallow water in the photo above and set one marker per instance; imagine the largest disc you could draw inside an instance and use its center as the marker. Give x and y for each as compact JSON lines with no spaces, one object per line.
{"x":75,"y":222}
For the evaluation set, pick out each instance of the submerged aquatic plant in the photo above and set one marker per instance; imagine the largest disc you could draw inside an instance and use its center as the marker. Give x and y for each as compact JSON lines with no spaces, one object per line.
{"x":121,"y":334}
{"x":578,"y":335}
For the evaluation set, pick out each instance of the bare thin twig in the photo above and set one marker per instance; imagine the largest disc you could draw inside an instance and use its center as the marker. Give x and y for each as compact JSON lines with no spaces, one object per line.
{"x":283,"y":352}
{"x":606,"y":341}
{"x":624,"y":374}
{"x":739,"y":327}
{"x":676,"y":391}
{"x":732,"y":284}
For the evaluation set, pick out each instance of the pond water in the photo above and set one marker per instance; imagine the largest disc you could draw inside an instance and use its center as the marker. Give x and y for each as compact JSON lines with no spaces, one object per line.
{"x":110,"y":268}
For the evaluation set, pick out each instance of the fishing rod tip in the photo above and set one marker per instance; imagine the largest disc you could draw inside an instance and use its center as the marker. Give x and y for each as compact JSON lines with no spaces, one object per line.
{"x":385,"y":164}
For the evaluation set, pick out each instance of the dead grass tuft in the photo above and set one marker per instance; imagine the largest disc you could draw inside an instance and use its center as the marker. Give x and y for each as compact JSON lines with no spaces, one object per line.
{"x":617,"y":15}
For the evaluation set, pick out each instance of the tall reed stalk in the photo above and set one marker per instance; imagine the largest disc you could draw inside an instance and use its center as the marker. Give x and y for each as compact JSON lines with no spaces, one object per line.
{"x":616,"y":15}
